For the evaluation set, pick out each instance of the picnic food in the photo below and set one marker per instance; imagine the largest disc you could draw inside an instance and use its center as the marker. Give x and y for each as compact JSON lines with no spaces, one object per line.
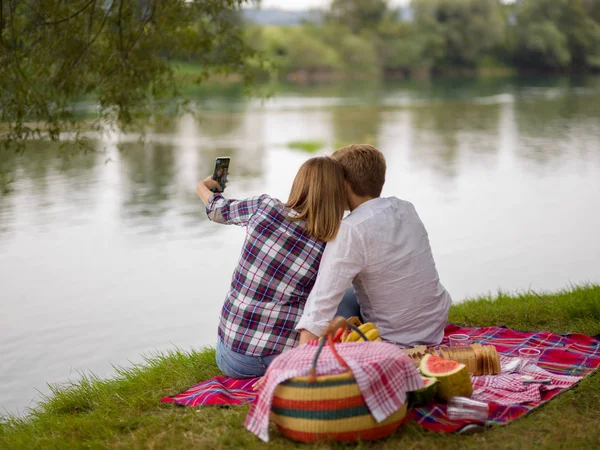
{"x":423,"y":396}
{"x":479,"y":359}
{"x":453,"y":377}
{"x":417,"y":352}
{"x":369,"y":329}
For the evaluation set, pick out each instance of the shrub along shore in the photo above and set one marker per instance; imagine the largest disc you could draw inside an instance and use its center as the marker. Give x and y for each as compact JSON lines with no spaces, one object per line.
{"x":125,"y":411}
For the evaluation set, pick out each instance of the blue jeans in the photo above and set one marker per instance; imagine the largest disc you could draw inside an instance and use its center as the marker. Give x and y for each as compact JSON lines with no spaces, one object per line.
{"x":236,"y":365}
{"x":349,"y":306}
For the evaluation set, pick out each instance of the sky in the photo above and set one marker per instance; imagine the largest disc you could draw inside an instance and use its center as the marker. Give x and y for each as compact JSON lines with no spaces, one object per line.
{"x":306,"y":4}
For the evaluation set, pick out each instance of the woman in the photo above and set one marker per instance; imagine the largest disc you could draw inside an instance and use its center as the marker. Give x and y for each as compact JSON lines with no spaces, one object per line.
{"x":278,"y":265}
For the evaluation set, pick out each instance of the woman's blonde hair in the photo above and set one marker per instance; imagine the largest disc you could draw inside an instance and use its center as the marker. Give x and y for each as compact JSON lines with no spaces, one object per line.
{"x":318,"y":196}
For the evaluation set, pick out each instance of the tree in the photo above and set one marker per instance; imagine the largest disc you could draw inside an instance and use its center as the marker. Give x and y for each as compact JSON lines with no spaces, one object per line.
{"x":557,"y":34}
{"x":461,"y":31}
{"x":583,"y":34}
{"x":358,"y":15}
{"x":53,"y":52}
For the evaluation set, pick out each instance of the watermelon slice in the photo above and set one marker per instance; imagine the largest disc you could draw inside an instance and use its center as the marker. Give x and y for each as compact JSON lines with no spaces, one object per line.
{"x":423,"y":396}
{"x":453,"y":377}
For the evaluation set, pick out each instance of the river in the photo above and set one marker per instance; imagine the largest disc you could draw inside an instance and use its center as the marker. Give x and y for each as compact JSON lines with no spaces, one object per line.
{"x":108,"y":255}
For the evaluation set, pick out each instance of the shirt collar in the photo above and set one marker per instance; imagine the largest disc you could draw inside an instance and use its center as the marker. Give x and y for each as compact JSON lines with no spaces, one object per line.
{"x":368,"y":202}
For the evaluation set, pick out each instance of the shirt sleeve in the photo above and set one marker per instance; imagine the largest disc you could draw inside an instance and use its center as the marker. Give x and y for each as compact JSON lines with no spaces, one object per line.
{"x":342,"y":260}
{"x":232,"y":212}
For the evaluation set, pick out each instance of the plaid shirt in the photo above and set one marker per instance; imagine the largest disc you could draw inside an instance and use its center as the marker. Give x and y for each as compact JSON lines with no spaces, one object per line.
{"x":276,"y":272}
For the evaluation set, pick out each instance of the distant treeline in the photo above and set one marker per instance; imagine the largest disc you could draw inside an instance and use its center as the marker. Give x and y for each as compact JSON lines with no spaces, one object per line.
{"x":365,"y":38}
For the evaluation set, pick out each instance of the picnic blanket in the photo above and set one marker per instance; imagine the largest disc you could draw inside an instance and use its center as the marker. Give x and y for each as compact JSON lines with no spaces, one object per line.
{"x":220,"y":391}
{"x":565,"y":360}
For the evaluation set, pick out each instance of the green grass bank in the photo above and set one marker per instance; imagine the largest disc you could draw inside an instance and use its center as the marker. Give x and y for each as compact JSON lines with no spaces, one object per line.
{"x":125,"y":411}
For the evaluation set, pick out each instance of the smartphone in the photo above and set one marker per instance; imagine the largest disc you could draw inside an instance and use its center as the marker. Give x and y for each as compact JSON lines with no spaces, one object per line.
{"x":221,"y":171}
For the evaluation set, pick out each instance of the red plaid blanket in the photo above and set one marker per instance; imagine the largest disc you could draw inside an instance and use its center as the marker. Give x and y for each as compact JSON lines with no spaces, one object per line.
{"x":564,"y":360}
{"x":216,"y":391}
{"x":383,"y":373}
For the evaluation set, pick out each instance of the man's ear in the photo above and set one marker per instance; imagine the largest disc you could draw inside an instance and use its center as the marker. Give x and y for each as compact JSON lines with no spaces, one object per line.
{"x":349,"y":195}
{"x":348,"y":188}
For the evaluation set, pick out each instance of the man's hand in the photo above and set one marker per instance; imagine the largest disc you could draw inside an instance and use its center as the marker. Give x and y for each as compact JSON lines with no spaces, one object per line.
{"x":259,"y":384}
{"x":306,"y":336}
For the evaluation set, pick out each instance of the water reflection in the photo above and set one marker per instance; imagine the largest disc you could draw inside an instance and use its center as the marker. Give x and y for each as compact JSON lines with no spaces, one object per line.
{"x":54,"y":183}
{"x":446,"y":132}
{"x":356,"y":124}
{"x":559,"y":124}
{"x":149,"y":172}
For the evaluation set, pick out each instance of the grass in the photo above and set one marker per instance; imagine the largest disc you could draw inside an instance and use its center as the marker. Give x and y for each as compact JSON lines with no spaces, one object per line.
{"x":125,"y":412}
{"x":306,"y":146}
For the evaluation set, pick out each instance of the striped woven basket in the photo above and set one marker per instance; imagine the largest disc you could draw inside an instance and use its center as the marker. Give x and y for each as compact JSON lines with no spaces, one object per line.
{"x":329,"y":407}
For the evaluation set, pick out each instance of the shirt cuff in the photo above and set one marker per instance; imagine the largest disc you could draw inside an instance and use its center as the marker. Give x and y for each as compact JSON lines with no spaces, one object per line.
{"x":306,"y":323}
{"x":210,"y":204}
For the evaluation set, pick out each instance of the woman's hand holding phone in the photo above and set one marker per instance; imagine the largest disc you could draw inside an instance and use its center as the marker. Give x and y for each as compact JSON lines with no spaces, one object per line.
{"x":212,"y":184}
{"x":206,"y":188}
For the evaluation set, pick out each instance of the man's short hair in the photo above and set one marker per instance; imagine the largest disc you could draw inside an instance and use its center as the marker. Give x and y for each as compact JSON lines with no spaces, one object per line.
{"x":364,"y":168}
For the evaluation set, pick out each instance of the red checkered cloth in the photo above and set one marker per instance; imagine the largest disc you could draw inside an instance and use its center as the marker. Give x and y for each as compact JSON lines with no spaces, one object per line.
{"x":383,"y":372}
{"x":508,"y":388}
{"x":565,"y":360}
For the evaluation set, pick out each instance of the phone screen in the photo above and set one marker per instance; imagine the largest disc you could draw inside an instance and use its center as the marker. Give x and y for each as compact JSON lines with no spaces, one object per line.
{"x":221,"y":171}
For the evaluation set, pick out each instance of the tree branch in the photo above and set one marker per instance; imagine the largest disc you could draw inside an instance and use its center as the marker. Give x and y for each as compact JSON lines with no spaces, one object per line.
{"x":135,"y":40}
{"x":91,"y":21}
{"x":1,"y":22}
{"x":120,"y":26}
{"x":75,"y":14}
{"x":89,"y":44}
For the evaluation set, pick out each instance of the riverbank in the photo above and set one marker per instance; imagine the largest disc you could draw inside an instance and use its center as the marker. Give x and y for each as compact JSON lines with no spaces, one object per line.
{"x":125,"y":412}
{"x":187,"y":75}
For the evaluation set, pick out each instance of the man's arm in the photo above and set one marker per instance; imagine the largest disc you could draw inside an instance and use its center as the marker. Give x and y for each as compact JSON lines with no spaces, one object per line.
{"x":342,"y":260}
{"x":306,"y":336}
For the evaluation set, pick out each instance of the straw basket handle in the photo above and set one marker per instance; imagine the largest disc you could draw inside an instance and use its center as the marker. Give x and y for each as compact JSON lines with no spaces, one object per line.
{"x":333,"y":332}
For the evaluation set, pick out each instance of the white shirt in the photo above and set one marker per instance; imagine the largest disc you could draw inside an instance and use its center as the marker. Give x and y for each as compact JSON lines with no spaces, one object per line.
{"x":382,"y":248}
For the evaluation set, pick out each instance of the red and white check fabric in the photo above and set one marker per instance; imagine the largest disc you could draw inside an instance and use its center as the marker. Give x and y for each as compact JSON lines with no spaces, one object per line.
{"x":383,"y":372}
{"x":508,"y":388}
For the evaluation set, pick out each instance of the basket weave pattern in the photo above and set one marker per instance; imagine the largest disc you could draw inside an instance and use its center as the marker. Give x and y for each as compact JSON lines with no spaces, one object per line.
{"x":330,"y":409}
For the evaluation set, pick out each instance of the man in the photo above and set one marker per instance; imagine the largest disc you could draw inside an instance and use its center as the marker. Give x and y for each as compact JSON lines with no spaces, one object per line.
{"x":382,"y":248}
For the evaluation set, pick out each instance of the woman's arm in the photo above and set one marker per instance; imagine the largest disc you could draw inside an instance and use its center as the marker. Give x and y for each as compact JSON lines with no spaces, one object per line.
{"x":226,"y":211}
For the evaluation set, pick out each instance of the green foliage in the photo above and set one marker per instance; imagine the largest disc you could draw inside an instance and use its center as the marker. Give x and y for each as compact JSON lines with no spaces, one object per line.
{"x":485,"y":36}
{"x":359,"y":15}
{"x":356,"y":51}
{"x":294,"y":48}
{"x":328,"y":49}
{"x":557,"y":34}
{"x":53,"y":52}
{"x":401,"y":46}
{"x":462,"y":30}
{"x":306,"y":146}
{"x":125,"y":411}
